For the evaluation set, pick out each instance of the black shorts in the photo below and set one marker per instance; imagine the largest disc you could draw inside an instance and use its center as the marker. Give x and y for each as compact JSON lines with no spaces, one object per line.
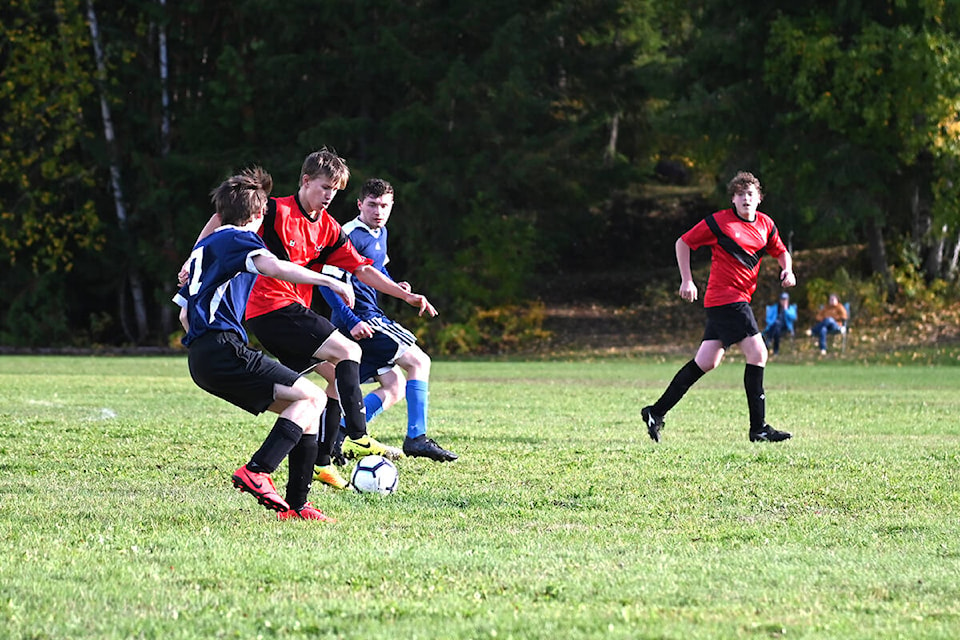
{"x":730,"y":323}
{"x":222,"y":364}
{"x":292,"y":334}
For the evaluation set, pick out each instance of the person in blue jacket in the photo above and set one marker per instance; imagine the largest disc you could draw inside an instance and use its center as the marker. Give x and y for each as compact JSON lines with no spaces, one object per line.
{"x":781,"y":319}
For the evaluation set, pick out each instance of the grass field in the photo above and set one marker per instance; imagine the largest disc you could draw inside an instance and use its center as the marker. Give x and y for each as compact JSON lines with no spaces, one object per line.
{"x":561,"y":520}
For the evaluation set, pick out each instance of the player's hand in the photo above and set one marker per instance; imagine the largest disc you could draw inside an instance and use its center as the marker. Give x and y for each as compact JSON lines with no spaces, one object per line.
{"x":405,"y":286}
{"x":788,"y":279}
{"x":346,"y":293}
{"x":361,"y":330}
{"x":417,"y":300}
{"x":688,"y":291}
{"x":184,"y":274}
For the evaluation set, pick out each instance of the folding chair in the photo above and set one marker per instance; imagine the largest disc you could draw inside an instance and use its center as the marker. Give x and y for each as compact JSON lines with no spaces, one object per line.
{"x":844,"y":329}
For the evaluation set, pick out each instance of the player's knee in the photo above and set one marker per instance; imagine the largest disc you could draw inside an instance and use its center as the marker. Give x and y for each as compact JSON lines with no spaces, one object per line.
{"x":338,"y":348}
{"x":314,"y":398}
{"x":418,"y":364}
{"x":426,"y":362}
{"x":349,"y":351}
{"x":354,"y":352}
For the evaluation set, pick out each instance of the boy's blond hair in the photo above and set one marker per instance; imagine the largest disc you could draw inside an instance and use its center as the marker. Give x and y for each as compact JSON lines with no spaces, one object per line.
{"x":326,"y":162}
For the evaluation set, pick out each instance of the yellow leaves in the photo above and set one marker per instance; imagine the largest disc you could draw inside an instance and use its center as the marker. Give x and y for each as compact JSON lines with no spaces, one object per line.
{"x":44,"y":181}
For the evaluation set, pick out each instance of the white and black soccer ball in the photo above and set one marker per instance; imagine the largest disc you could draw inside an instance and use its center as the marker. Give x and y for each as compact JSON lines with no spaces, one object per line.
{"x":375,"y":474}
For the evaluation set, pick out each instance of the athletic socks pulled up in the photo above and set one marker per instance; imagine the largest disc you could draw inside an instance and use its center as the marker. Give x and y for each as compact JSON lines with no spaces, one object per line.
{"x":685,"y":378}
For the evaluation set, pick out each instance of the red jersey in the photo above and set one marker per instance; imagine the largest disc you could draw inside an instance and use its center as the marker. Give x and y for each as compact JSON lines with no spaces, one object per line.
{"x":291,"y":234}
{"x":737,"y":247}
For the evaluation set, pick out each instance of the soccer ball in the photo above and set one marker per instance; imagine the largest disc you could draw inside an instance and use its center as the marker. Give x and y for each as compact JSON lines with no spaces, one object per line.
{"x":375,"y":474}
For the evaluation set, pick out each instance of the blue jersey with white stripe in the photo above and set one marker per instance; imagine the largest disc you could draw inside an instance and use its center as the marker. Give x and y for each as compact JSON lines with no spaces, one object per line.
{"x":221,"y":276}
{"x":370,"y":243}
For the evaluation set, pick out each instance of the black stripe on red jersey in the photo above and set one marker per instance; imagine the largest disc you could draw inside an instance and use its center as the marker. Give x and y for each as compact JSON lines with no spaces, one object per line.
{"x":728,"y":244}
{"x":276,"y":245}
{"x":270,"y":236}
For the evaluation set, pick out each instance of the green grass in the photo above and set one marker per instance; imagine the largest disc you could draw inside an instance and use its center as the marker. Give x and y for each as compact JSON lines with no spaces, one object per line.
{"x":561,"y":520}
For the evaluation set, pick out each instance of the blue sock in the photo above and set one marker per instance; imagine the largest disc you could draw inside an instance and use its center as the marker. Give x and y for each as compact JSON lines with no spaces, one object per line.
{"x":373,"y":405}
{"x":417,"y":393}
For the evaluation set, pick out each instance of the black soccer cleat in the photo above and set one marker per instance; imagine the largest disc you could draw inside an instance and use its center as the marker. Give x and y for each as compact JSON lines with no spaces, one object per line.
{"x":653,"y":421}
{"x":424,"y":447}
{"x":769,"y":434}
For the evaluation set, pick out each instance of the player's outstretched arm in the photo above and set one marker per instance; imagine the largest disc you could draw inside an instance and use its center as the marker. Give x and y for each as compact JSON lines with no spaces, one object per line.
{"x":270,"y":265}
{"x":368,"y":275}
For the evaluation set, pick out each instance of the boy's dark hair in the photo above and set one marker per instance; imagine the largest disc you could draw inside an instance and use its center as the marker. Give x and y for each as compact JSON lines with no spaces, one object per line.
{"x":327,"y":163}
{"x":240,"y":196}
{"x":741,"y":181}
{"x":374,"y":188}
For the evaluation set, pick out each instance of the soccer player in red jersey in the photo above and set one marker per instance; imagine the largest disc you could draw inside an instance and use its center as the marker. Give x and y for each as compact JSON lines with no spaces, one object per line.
{"x":298,"y":228}
{"x":738,"y":238}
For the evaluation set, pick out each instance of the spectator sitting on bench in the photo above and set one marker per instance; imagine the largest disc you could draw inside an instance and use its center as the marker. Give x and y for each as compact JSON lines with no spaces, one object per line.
{"x":780,"y":320}
{"x":831,"y":318}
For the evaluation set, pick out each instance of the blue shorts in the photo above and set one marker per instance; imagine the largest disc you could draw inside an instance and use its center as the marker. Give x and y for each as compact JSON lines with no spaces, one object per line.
{"x":730,"y":323}
{"x":222,"y":364}
{"x":390,"y":340}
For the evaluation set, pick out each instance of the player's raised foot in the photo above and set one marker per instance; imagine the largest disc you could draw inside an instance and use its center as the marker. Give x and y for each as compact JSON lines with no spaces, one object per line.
{"x":424,"y":447}
{"x":260,"y":486}
{"x":306,"y":512}
{"x":653,"y":421}
{"x":769,"y":434}
{"x":365,"y":446}
{"x":329,"y":476}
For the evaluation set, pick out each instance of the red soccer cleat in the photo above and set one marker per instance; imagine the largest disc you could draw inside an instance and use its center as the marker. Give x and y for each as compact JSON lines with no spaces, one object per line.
{"x":306,"y":512}
{"x":261,"y":487}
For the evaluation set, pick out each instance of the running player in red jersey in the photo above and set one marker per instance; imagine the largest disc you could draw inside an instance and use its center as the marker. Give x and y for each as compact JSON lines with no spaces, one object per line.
{"x":738,"y":238}
{"x":299,"y":229}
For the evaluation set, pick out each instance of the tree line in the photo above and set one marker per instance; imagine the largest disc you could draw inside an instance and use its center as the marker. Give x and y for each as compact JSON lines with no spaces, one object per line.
{"x":507,"y":129}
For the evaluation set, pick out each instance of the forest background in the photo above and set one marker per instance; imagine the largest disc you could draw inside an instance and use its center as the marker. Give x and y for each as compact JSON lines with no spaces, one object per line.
{"x":545,"y":154}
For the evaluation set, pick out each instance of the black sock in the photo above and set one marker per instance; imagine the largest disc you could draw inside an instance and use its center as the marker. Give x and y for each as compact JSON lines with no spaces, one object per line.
{"x":301,"y":461}
{"x":756,"y":399}
{"x":681,"y":383}
{"x":282,"y":438}
{"x":347,"y":374}
{"x":329,"y":426}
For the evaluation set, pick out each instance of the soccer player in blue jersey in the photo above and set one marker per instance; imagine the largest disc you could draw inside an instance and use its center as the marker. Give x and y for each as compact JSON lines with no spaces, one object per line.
{"x":387,"y":346}
{"x":221,"y":271}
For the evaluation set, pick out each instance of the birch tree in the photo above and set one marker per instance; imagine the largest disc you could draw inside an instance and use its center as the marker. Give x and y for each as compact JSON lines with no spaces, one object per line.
{"x":133,"y":273}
